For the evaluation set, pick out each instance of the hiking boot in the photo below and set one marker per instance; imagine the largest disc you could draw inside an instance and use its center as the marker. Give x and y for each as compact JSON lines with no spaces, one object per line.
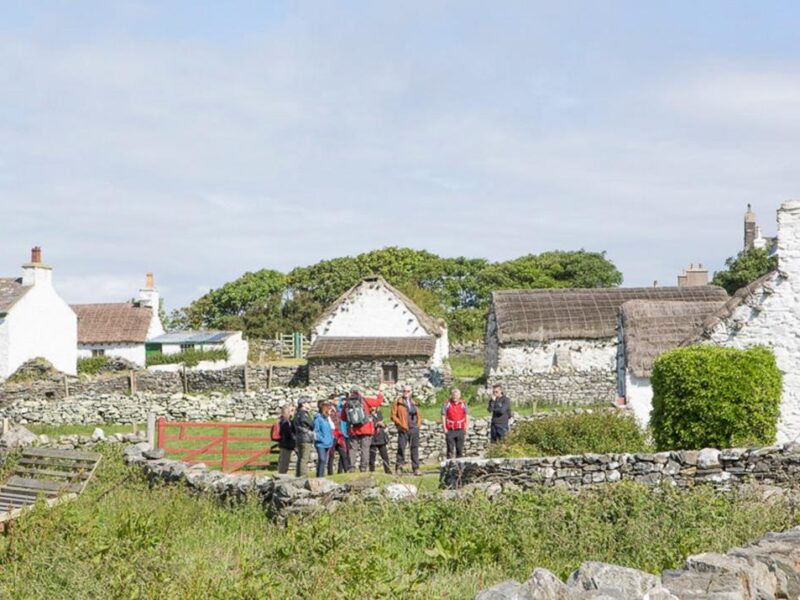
{"x":399,"y":471}
{"x":416,"y":473}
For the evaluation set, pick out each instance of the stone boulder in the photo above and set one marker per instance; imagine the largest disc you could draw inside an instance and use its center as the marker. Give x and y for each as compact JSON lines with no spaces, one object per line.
{"x":543,"y":585}
{"x":400,"y":491}
{"x":18,"y":437}
{"x":616,"y":582}
{"x":507,"y":590}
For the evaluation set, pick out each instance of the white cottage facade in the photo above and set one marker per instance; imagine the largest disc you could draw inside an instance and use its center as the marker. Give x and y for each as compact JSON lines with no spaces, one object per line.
{"x":176,"y":342}
{"x":34,"y":321}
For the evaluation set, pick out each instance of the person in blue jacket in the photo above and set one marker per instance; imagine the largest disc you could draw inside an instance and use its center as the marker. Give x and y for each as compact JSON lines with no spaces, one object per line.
{"x":323,"y":435}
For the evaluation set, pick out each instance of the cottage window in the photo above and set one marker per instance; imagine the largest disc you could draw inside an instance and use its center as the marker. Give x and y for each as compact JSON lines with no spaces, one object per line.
{"x":389,"y":374}
{"x":186,"y":347}
{"x":98,"y":352}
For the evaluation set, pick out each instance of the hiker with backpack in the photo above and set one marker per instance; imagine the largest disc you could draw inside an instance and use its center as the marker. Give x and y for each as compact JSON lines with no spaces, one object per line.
{"x":379,"y":442}
{"x":323,"y":435}
{"x":339,"y":439}
{"x":405,"y":416}
{"x":356,"y":413}
{"x":455,"y":420}
{"x":304,"y":435}
{"x":284,"y":435}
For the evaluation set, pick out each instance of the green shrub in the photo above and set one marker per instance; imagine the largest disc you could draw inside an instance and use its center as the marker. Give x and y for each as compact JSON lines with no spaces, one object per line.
{"x":190,"y":358}
{"x":709,"y":396}
{"x":92,"y":365}
{"x":596,"y":432}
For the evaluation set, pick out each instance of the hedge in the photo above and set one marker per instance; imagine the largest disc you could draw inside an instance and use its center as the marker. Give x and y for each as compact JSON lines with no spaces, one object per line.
{"x":710,"y":396}
{"x":189,"y":358}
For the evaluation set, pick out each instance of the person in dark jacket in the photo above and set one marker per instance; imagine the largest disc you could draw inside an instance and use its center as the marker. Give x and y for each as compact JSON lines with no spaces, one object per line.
{"x":500,"y":409}
{"x":360,"y":433}
{"x":304,"y":435}
{"x":287,"y":442}
{"x":380,"y":441}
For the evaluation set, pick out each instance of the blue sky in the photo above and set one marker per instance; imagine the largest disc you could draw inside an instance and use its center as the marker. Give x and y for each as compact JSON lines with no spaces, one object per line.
{"x":202,"y":140}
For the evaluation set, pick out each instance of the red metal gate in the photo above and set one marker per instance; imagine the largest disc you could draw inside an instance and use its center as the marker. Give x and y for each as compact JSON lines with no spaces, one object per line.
{"x":218,"y":445}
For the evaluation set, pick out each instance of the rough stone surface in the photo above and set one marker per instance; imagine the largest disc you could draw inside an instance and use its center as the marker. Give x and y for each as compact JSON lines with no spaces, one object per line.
{"x":18,"y":437}
{"x":612,"y":580}
{"x":507,"y":590}
{"x":543,"y":585}
{"x":400,"y":491}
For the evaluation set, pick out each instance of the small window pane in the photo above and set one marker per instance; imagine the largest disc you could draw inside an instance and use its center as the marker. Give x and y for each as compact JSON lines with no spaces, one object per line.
{"x":389,"y":374}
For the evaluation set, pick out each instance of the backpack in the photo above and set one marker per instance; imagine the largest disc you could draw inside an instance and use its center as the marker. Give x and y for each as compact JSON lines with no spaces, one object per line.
{"x":275,"y":434}
{"x":354,"y":410}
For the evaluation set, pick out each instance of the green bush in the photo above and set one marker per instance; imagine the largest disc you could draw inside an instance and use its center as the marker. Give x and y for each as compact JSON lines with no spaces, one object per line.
{"x":709,"y":396}
{"x":190,"y":358}
{"x":92,"y":365}
{"x":596,"y":432}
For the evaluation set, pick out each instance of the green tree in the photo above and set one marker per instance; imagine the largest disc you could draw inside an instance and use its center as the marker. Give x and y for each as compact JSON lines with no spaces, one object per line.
{"x":744,"y":268}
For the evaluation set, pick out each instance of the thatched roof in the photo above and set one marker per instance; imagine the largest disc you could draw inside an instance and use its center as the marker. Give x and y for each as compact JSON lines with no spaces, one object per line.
{"x":11,"y":290}
{"x":725,"y":311}
{"x":121,"y":322}
{"x":429,"y":324}
{"x":548,"y":314}
{"x":651,"y":328}
{"x":371,"y":347}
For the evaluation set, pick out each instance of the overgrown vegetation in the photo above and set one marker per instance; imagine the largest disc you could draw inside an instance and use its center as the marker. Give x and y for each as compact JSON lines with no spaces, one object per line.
{"x":466,"y":366}
{"x":267,"y":302}
{"x":190,"y":358}
{"x":744,"y":268}
{"x":710,"y":396}
{"x":92,"y":365}
{"x":124,"y":539}
{"x":599,"y":432}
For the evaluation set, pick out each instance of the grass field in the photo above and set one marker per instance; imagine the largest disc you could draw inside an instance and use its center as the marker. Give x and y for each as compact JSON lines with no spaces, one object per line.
{"x":126,"y":539}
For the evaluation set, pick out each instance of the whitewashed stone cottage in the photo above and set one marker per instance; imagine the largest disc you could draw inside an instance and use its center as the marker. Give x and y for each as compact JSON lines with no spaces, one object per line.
{"x":560,"y":345}
{"x":647,"y":329}
{"x":176,"y":342}
{"x":767,"y":312}
{"x":34,"y":321}
{"x":375,"y":334}
{"x":120,"y":329}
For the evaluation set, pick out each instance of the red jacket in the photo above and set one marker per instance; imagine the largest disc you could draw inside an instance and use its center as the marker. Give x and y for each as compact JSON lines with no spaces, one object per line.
{"x":365,"y":428}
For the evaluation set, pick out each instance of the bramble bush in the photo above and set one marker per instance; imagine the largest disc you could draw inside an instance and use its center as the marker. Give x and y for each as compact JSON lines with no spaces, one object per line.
{"x":190,"y":358}
{"x":710,"y":396}
{"x":91,"y":365}
{"x":598,"y":432}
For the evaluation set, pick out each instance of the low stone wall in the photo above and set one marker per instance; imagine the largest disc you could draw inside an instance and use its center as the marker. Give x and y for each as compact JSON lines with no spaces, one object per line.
{"x":559,"y":387}
{"x":768,"y":568}
{"x":471,"y":348}
{"x":337,"y":372}
{"x":725,"y":469}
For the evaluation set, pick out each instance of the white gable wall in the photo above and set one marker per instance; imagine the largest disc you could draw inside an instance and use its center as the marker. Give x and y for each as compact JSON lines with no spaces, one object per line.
{"x":40,"y":324}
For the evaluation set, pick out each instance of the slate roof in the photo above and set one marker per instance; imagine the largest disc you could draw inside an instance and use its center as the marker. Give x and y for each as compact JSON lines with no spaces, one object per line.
{"x":548,"y":314}
{"x":371,"y":347}
{"x":192,"y":337}
{"x":121,"y":322}
{"x":11,"y":290}
{"x":651,"y":328}
{"x":429,"y":324}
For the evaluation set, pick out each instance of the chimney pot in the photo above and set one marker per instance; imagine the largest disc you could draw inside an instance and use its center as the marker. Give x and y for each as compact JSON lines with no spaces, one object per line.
{"x":36,"y":254}
{"x":148,"y":281}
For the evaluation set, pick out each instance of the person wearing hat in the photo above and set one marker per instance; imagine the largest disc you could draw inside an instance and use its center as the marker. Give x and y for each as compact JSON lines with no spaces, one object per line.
{"x":304,"y":435}
{"x":356,"y":412}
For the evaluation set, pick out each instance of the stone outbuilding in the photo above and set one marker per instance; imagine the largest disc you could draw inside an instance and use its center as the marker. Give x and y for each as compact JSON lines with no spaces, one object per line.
{"x":176,"y":342}
{"x":560,"y":345}
{"x":646,"y":330}
{"x":34,"y":320}
{"x":375,"y":334}
{"x":120,"y":329}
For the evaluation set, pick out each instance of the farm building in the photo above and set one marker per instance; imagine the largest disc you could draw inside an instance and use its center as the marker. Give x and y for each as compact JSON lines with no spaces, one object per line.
{"x":648,"y":328}
{"x":767,"y":312}
{"x":375,"y":334}
{"x":34,"y":320}
{"x":120,"y":329}
{"x":560,"y":345}
{"x":176,"y":342}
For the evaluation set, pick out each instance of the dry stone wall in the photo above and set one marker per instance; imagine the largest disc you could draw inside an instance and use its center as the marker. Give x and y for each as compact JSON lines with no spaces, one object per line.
{"x":559,"y":387}
{"x":724,"y":469}
{"x":341,"y":373}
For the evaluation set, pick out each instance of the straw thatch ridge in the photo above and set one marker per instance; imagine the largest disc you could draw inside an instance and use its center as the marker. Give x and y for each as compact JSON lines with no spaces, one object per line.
{"x":650,"y":328}
{"x":742,"y":295}
{"x":429,"y":324}
{"x":548,"y":314}
{"x":372,"y":347}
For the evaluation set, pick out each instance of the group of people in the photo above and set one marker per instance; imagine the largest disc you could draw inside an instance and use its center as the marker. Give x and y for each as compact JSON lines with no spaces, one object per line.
{"x":352,"y":428}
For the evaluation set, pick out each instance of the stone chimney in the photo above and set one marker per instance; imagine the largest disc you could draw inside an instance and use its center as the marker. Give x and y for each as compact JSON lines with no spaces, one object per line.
{"x":35,"y":272}
{"x":693,"y":276}
{"x":148,"y":295}
{"x":789,"y":238}
{"x":750,"y":228}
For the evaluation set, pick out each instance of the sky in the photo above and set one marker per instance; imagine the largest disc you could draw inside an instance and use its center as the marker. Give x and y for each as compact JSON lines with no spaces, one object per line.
{"x":201,"y":140}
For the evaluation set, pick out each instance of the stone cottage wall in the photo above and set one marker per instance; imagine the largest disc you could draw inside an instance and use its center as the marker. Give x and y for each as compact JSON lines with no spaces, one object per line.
{"x":342,"y":373}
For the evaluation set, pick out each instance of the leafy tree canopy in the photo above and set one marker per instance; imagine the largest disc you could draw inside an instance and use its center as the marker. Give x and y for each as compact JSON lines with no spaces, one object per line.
{"x":744,"y":268}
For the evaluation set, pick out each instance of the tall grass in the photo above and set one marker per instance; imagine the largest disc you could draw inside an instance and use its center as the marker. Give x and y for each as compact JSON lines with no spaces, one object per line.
{"x":122,"y":539}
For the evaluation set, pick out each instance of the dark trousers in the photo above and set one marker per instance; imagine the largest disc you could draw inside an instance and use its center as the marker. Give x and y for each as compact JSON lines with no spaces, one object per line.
{"x":455,"y":443}
{"x":408,"y":438}
{"x":497,"y":433}
{"x":359,"y":446}
{"x":322,"y":460}
{"x":384,"y":451}
{"x":344,"y":459}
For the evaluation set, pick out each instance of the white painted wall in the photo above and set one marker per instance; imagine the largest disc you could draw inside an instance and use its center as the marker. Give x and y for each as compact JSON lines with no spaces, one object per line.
{"x":372,"y":310}
{"x":236,"y":346}
{"x":237,"y":350}
{"x":540,"y":357}
{"x":639,"y":397}
{"x":132,"y":352}
{"x":40,"y":324}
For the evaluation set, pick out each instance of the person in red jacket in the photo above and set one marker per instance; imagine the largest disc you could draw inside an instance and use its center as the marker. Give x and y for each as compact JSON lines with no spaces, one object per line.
{"x":356,"y":411}
{"x":455,"y":420}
